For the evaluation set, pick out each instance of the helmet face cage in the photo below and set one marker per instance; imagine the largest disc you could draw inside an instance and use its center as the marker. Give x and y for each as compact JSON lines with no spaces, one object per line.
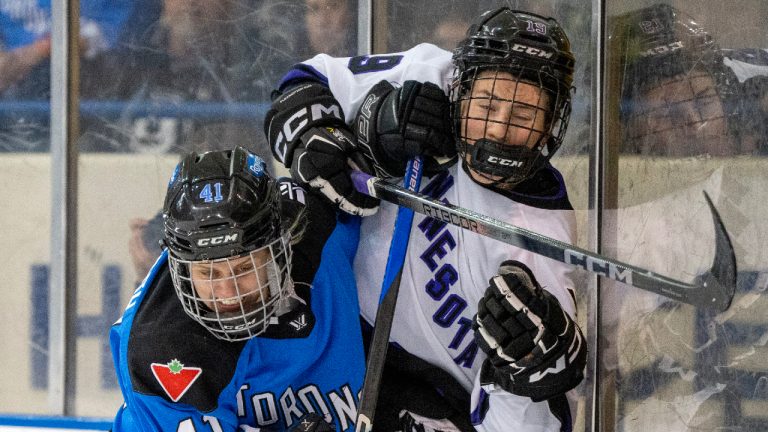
{"x":229,"y":253}
{"x":235,"y":297}
{"x":511,"y":95}
{"x":509,"y":123}
{"x":682,"y":115}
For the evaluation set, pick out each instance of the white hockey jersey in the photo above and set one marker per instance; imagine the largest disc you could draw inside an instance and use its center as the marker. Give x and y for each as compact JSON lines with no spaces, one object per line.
{"x":447,"y":269}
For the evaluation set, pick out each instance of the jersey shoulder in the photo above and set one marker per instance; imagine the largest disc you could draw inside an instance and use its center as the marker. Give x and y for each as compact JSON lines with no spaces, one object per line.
{"x":166,"y":348}
{"x":545,"y":190}
{"x":423,"y":62}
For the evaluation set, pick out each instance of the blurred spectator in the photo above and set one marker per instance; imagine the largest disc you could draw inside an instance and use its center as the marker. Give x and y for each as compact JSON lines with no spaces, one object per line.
{"x":450,"y":28}
{"x":331,"y":27}
{"x":16,"y":64}
{"x":681,"y":94}
{"x":198,"y":51}
{"x":25,"y":27}
{"x":25,"y":50}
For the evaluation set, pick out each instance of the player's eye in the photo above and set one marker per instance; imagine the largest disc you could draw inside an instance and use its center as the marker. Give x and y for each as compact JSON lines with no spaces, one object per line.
{"x":486,"y":106}
{"x":523,"y":113}
{"x":201,"y":272}
{"x":245,"y":268}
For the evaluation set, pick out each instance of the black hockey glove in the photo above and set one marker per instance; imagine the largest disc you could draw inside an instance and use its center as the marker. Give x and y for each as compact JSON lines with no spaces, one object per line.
{"x":306,"y":132}
{"x":296,"y":111}
{"x":395,"y":124}
{"x":321,"y":162}
{"x":534,"y":348}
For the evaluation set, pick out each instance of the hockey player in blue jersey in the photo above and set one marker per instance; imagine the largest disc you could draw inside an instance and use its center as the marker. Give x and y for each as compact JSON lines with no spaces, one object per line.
{"x":473,"y":316}
{"x":249,"y":320}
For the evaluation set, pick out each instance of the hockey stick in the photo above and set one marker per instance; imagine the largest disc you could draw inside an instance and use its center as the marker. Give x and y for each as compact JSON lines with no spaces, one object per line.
{"x":390,"y":286}
{"x":714,"y":289}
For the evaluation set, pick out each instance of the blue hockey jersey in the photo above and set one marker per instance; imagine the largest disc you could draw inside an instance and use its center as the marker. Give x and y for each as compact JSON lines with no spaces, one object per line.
{"x":176,"y":376}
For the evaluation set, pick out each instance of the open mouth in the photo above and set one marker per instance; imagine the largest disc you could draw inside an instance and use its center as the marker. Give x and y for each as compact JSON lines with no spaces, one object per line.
{"x":246,"y":303}
{"x":227,"y":305}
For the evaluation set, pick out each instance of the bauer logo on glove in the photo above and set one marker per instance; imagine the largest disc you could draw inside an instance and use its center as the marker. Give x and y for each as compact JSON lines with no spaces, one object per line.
{"x":534,"y":347}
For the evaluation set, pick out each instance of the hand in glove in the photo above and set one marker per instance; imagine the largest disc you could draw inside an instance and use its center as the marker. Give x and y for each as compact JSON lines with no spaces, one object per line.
{"x":322,"y":163}
{"x":534,"y":348}
{"x":395,"y":124}
{"x":306,"y":132}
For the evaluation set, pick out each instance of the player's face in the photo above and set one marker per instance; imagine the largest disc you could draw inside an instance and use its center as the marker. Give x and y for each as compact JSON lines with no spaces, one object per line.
{"x":225,"y":285}
{"x":681,"y":116}
{"x":327,"y":23}
{"x":505,"y":110}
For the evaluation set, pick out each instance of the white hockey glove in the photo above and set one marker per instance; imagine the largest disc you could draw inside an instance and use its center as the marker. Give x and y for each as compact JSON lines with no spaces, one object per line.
{"x":306,"y":132}
{"x":395,"y":124}
{"x":534,"y":348}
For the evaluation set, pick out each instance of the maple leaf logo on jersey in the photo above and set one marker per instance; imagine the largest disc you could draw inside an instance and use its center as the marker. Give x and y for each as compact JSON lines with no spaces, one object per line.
{"x":175,"y":378}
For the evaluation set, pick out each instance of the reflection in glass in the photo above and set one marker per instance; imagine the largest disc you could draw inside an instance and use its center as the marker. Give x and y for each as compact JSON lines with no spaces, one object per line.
{"x":690,"y":118}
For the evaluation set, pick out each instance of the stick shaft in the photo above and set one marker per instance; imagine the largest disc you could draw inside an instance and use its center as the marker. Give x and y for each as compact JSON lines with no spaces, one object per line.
{"x":716,"y":289}
{"x":393,"y":272}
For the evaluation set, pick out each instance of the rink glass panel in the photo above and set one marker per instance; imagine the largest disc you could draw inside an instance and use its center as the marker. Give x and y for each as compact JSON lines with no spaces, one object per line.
{"x":26,"y":221}
{"x":663,"y":366}
{"x":208,"y":91}
{"x":667,"y":366}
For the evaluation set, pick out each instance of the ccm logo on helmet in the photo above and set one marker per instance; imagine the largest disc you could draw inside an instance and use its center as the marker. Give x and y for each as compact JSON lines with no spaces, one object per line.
{"x":536,"y":52}
{"x":504,"y":162}
{"x":218,"y":240}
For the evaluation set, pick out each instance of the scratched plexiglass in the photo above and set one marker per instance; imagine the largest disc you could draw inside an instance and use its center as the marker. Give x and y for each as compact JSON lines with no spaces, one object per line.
{"x":165,"y":76}
{"x":686,"y":89}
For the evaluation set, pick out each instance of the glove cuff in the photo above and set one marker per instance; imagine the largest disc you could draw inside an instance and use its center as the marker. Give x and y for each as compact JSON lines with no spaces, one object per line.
{"x":367,"y":132}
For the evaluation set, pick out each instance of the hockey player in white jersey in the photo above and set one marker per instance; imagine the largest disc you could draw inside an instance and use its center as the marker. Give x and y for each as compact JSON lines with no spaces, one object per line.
{"x":510,"y":88}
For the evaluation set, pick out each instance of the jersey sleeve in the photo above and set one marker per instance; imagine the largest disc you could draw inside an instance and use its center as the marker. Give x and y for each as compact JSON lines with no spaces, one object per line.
{"x":494,"y":409}
{"x":350,"y":78}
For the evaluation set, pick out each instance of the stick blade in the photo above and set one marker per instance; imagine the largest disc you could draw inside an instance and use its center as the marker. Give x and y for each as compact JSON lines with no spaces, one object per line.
{"x":719,"y":285}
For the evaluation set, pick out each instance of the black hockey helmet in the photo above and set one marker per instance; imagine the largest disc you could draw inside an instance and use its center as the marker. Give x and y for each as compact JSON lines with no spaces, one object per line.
{"x":228,"y":255}
{"x":221,"y":194}
{"x":661,"y":42}
{"x":532,"y":49}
